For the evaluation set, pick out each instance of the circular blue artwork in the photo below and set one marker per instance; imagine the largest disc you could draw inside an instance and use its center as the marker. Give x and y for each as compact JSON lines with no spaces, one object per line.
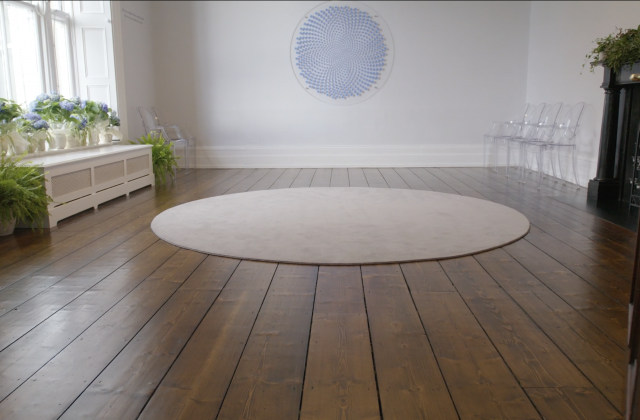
{"x":342,"y":52}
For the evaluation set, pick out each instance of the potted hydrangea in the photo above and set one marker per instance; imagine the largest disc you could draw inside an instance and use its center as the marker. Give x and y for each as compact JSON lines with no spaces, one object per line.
{"x":97,"y":115}
{"x":106,"y":135}
{"x":32,"y":127}
{"x":59,"y":113}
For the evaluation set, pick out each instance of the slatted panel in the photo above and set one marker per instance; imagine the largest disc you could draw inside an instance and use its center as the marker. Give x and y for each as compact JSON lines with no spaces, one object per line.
{"x":71,"y":182}
{"x":137,"y":164}
{"x":108,"y":172}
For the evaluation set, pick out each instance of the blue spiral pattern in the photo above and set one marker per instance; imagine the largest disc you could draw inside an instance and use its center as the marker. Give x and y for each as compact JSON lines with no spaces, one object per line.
{"x":340,"y":52}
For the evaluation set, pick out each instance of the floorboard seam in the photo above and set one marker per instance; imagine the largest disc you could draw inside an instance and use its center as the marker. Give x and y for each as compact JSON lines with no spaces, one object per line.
{"x":547,"y":335}
{"x":306,"y":359}
{"x":515,"y":377}
{"x":133,"y":337}
{"x":188,"y":339}
{"x":71,"y":301}
{"x":435,"y":357}
{"x":88,"y":326}
{"x":246,"y":342}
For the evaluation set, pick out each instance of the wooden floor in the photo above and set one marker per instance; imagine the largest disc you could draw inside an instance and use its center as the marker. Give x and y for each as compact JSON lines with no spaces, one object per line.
{"x":100,"y":319}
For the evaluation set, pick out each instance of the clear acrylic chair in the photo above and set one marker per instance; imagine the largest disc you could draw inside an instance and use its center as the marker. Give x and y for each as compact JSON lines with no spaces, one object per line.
{"x":554,"y":138}
{"x":520,"y":132}
{"x":178,"y":134}
{"x":547,"y":124}
{"x":501,"y":130}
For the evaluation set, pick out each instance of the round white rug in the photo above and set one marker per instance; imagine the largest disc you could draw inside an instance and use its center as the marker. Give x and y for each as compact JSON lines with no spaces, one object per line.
{"x":340,"y":225}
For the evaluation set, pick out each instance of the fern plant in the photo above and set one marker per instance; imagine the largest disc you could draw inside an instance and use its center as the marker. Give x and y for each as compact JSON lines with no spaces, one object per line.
{"x":22,"y":192}
{"x":620,"y":50}
{"x":164,"y":160}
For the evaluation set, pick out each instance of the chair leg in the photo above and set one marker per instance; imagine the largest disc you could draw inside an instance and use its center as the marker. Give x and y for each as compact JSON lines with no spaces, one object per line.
{"x":508,"y":157}
{"x":495,"y":155}
{"x":575,"y":161}
{"x":564,"y":181}
{"x":553,"y":166}
{"x":540,"y":166}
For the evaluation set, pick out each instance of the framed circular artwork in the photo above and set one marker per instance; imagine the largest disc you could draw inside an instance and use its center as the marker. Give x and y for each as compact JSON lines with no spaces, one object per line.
{"x":342,"y":52}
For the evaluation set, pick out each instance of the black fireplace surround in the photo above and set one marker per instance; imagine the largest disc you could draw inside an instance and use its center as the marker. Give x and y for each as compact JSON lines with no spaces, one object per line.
{"x":618,"y":174}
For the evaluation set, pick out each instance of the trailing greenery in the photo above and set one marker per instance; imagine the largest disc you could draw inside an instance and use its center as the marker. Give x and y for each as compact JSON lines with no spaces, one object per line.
{"x":22,"y":193}
{"x":164,"y":160}
{"x":620,"y":50}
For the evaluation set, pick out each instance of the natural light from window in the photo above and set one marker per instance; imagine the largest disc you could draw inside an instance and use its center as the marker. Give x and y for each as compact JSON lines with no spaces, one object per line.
{"x":22,"y":45}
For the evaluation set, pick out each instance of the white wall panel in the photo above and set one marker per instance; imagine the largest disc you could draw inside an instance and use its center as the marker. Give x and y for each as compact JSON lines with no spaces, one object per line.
{"x":224,"y":69}
{"x":91,"y":6}
{"x":99,"y":93}
{"x":94,"y":50}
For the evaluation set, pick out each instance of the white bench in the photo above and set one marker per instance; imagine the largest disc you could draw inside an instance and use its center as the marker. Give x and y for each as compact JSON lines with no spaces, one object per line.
{"x":84,"y":178}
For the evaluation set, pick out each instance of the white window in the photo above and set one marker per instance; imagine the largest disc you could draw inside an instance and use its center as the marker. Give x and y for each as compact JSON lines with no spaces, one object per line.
{"x":63,"y":47}
{"x":22,"y":61}
{"x":37,"y":49}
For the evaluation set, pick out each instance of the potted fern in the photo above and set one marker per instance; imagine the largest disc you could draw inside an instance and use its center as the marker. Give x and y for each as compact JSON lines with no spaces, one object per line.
{"x":164,"y":160}
{"x":616,"y":51}
{"x":22,"y":194}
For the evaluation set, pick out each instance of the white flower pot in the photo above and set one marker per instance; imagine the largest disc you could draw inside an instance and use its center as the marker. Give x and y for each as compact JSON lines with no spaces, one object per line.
{"x":20,"y":144}
{"x":73,"y":141}
{"x":94,"y":138}
{"x":58,"y":141}
{"x":105,"y":139}
{"x":7,"y":229}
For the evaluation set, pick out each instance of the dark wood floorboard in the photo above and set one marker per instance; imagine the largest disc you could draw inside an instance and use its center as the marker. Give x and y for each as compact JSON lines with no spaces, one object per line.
{"x":99,"y":319}
{"x":340,"y":380}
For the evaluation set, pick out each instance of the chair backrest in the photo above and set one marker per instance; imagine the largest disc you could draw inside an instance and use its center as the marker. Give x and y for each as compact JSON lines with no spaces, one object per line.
{"x":572,"y":120}
{"x":569,"y":127}
{"x":522,"y":113}
{"x":549,"y":119}
{"x":533,"y":116}
{"x":149,"y":119}
{"x":550,"y":115}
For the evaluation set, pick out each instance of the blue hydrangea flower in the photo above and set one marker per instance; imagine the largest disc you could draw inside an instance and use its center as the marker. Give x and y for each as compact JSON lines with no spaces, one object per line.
{"x":54,"y":96}
{"x":82,"y":123}
{"x":32,"y":116}
{"x":42,"y":97}
{"x":104,"y":107}
{"x":83,"y":104}
{"x":75,"y":100}
{"x":33,"y":105}
{"x":41,"y":125}
{"x":67,"y":106}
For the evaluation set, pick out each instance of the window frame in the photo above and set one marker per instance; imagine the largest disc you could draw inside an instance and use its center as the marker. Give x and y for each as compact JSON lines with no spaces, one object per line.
{"x":67,"y":18}
{"x":46,"y":52}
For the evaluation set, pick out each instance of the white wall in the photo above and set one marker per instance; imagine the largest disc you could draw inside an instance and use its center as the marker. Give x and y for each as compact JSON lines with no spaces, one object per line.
{"x":138,"y":61}
{"x":561,"y":34}
{"x":224,"y":69}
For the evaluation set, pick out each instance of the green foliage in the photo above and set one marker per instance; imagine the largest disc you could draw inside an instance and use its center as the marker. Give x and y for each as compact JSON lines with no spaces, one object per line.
{"x":22,"y":193}
{"x":9,"y":110}
{"x":50,"y":109}
{"x":620,"y":50}
{"x":164,"y":160}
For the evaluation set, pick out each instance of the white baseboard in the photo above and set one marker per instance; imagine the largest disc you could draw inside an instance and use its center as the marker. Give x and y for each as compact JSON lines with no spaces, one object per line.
{"x":339,"y":157}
